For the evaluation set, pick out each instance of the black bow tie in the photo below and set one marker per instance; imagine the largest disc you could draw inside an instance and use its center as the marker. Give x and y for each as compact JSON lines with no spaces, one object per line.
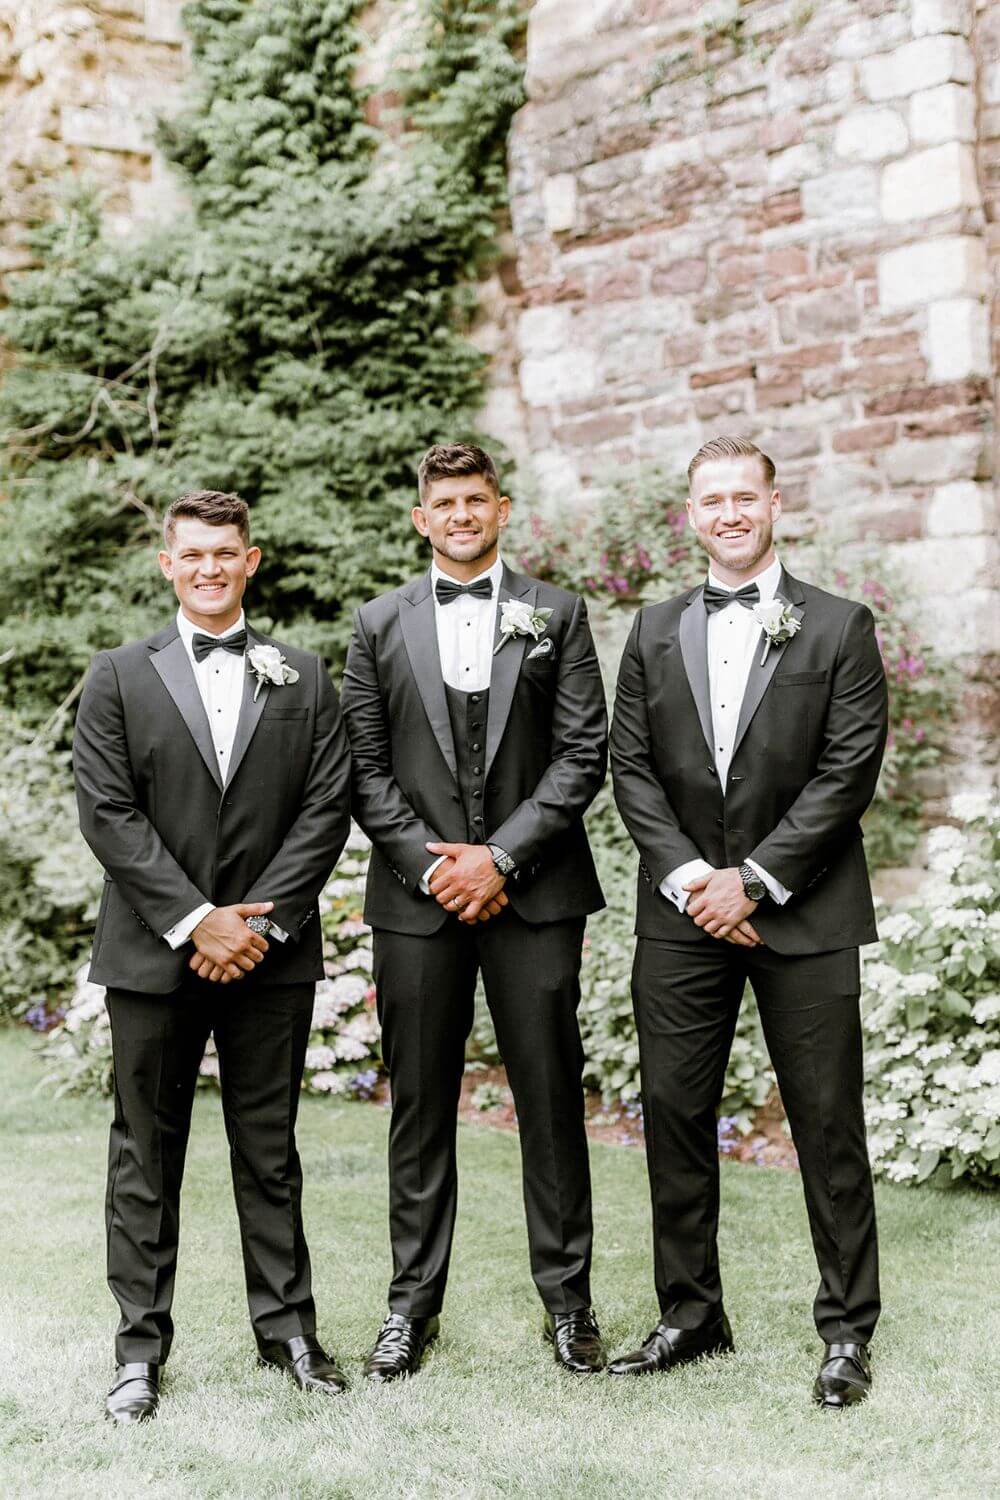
{"x":204,"y":645}
{"x":716,"y":598}
{"x":446,"y":591}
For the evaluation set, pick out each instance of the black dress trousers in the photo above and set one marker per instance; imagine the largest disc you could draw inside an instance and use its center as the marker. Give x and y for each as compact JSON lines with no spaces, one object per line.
{"x":687,"y":998}
{"x":426,"y":991}
{"x":261,"y":1032}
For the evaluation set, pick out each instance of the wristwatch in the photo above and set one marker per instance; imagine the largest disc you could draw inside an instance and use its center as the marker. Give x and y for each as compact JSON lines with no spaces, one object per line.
{"x":753,"y":887}
{"x":502,"y":860}
{"x":260,"y":925}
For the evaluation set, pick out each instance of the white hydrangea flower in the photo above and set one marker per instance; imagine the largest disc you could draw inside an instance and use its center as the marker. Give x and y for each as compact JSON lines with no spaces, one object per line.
{"x":899,"y":928}
{"x":328,"y":1083}
{"x":967,"y":807}
{"x":363,"y":1027}
{"x":935,"y":1053}
{"x":946,"y":849}
{"x":954,"y":1078}
{"x":350,"y":1049}
{"x":901,"y":1171}
{"x":920,"y":983}
{"x":320,"y":1058}
{"x":987,"y":1070}
{"x":986,"y":1009}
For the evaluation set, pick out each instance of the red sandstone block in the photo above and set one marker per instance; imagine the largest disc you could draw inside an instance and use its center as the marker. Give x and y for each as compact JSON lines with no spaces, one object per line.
{"x":806,"y":57}
{"x":973,"y":419}
{"x":739,"y":271}
{"x":616,"y":283}
{"x":928,"y":397}
{"x":664,"y":413}
{"x":602,"y":427}
{"x":790,"y":261}
{"x":861,"y":439}
{"x":869,"y":376}
{"x":798,"y":285}
{"x":809,"y":357}
{"x":780,"y":208}
{"x":687,"y":275}
{"x":781,"y":131}
{"x":753,"y":331}
{"x":887,"y":343}
{"x":685,"y":349}
{"x":724,"y":400}
{"x":784,"y":390}
{"x":721,"y":376}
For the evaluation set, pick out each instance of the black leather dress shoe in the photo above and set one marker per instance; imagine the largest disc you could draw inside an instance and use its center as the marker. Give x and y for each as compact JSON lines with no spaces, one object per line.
{"x":845,"y":1376}
{"x":304,"y":1359}
{"x":135,"y":1394}
{"x":576,"y":1341}
{"x":668,"y":1347}
{"x":400,"y":1347}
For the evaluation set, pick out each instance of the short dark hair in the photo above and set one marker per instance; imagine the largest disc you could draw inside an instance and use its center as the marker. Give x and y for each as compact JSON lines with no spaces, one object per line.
{"x":214,"y":507}
{"x":451,"y":461}
{"x":731,"y":447}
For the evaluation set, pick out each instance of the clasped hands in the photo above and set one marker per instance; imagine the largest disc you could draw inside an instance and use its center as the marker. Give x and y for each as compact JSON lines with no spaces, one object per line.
{"x":719,"y":905}
{"x":225,"y":947}
{"x":467,"y":882}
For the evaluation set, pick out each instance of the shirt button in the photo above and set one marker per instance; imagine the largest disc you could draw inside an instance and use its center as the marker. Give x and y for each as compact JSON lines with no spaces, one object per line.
{"x":477,"y":747}
{"x":474,"y":698}
{"x":477,"y":819}
{"x":477,"y":770}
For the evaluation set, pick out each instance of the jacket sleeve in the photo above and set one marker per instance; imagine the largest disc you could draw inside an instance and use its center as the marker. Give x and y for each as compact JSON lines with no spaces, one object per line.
{"x":642,"y":801}
{"x":829,"y":806}
{"x":120,"y":834}
{"x":380,"y":805}
{"x":579,"y":760}
{"x":313,"y":843}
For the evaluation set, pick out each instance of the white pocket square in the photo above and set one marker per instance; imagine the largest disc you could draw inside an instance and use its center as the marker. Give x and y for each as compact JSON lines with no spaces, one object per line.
{"x":544,"y":648}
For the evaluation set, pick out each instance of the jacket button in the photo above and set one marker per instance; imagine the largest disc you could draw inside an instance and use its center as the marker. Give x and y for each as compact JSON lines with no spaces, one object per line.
{"x":477,"y":747}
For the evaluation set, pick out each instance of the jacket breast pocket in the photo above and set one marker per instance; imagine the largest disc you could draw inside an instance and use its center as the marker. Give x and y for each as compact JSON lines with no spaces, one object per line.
{"x":799,"y":679}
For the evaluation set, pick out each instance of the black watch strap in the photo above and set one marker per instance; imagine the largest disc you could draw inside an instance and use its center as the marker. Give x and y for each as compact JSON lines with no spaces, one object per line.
{"x":503,"y":861}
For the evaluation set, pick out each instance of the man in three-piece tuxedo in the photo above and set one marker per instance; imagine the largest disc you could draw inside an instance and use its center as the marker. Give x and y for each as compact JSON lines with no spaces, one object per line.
{"x":213,"y":780}
{"x":476,"y":715}
{"x":748,"y":734}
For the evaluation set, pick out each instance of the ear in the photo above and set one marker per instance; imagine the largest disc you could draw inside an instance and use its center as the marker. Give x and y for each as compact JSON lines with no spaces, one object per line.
{"x":503,"y":513}
{"x":166,"y":563}
{"x":253,"y":560}
{"x":775,"y":505}
{"x":419,"y":518}
{"x":690,"y":510}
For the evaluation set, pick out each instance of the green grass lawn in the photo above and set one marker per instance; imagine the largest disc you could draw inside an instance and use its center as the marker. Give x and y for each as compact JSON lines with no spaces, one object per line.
{"x":489,"y":1415}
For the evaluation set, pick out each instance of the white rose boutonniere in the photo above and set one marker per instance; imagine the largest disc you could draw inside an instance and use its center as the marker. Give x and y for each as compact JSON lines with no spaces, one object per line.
{"x":268,"y":665}
{"x":520,"y":619}
{"x":777,"y":622}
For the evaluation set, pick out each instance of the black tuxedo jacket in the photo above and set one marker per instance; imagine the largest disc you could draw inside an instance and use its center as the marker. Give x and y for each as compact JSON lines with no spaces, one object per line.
{"x":169,"y":834}
{"x":809,"y":744}
{"x":546,"y":755}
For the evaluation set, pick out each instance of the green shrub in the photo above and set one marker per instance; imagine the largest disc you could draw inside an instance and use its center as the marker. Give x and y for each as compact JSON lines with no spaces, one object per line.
{"x":932,"y":1014}
{"x":51,"y":881}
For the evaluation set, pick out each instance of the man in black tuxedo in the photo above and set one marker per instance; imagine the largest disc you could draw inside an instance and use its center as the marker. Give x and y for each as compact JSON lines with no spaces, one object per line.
{"x":476,"y":714}
{"x":748,"y":734}
{"x":213,"y":781}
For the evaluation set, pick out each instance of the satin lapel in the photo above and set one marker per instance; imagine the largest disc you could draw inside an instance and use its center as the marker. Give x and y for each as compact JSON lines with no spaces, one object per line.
{"x":250,"y":711}
{"x":506,"y":663}
{"x":759,"y":677}
{"x":173,"y":665}
{"x":416,"y":620}
{"x":693,"y":636}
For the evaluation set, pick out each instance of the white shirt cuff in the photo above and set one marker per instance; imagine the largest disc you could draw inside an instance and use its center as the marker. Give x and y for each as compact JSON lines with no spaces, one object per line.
{"x":777,"y":892}
{"x":277,"y":932}
{"x":672,"y":885}
{"x":426,"y":876}
{"x":181,"y":931}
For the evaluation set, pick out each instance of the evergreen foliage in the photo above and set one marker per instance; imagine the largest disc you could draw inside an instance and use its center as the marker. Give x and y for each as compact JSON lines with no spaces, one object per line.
{"x":299,"y":337}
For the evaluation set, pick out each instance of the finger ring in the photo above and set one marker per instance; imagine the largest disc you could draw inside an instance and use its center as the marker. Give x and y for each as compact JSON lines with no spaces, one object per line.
{"x":457,"y":904}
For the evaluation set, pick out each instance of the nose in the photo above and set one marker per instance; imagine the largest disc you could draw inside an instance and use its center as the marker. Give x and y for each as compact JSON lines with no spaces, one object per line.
{"x":730,"y":512}
{"x":210,"y":567}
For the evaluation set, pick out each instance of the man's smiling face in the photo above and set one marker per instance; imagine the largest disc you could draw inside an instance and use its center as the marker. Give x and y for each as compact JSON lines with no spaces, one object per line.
{"x":462,"y":519}
{"x":209,"y":567}
{"x":732,"y":510}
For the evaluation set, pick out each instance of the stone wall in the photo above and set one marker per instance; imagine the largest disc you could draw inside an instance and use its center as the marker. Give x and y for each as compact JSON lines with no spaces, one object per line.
{"x":777,"y":219}
{"x":80,"y":87}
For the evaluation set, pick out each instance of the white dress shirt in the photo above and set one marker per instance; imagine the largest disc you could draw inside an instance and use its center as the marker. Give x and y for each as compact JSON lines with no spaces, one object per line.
{"x":466,"y":632}
{"x":220,"y":677}
{"x":733,"y":637}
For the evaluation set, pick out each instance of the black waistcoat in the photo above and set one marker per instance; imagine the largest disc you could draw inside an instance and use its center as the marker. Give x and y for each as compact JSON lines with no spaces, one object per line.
{"x":467,"y":712}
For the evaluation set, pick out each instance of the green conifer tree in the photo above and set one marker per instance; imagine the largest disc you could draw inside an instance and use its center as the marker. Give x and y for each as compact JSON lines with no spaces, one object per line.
{"x":299,"y":336}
